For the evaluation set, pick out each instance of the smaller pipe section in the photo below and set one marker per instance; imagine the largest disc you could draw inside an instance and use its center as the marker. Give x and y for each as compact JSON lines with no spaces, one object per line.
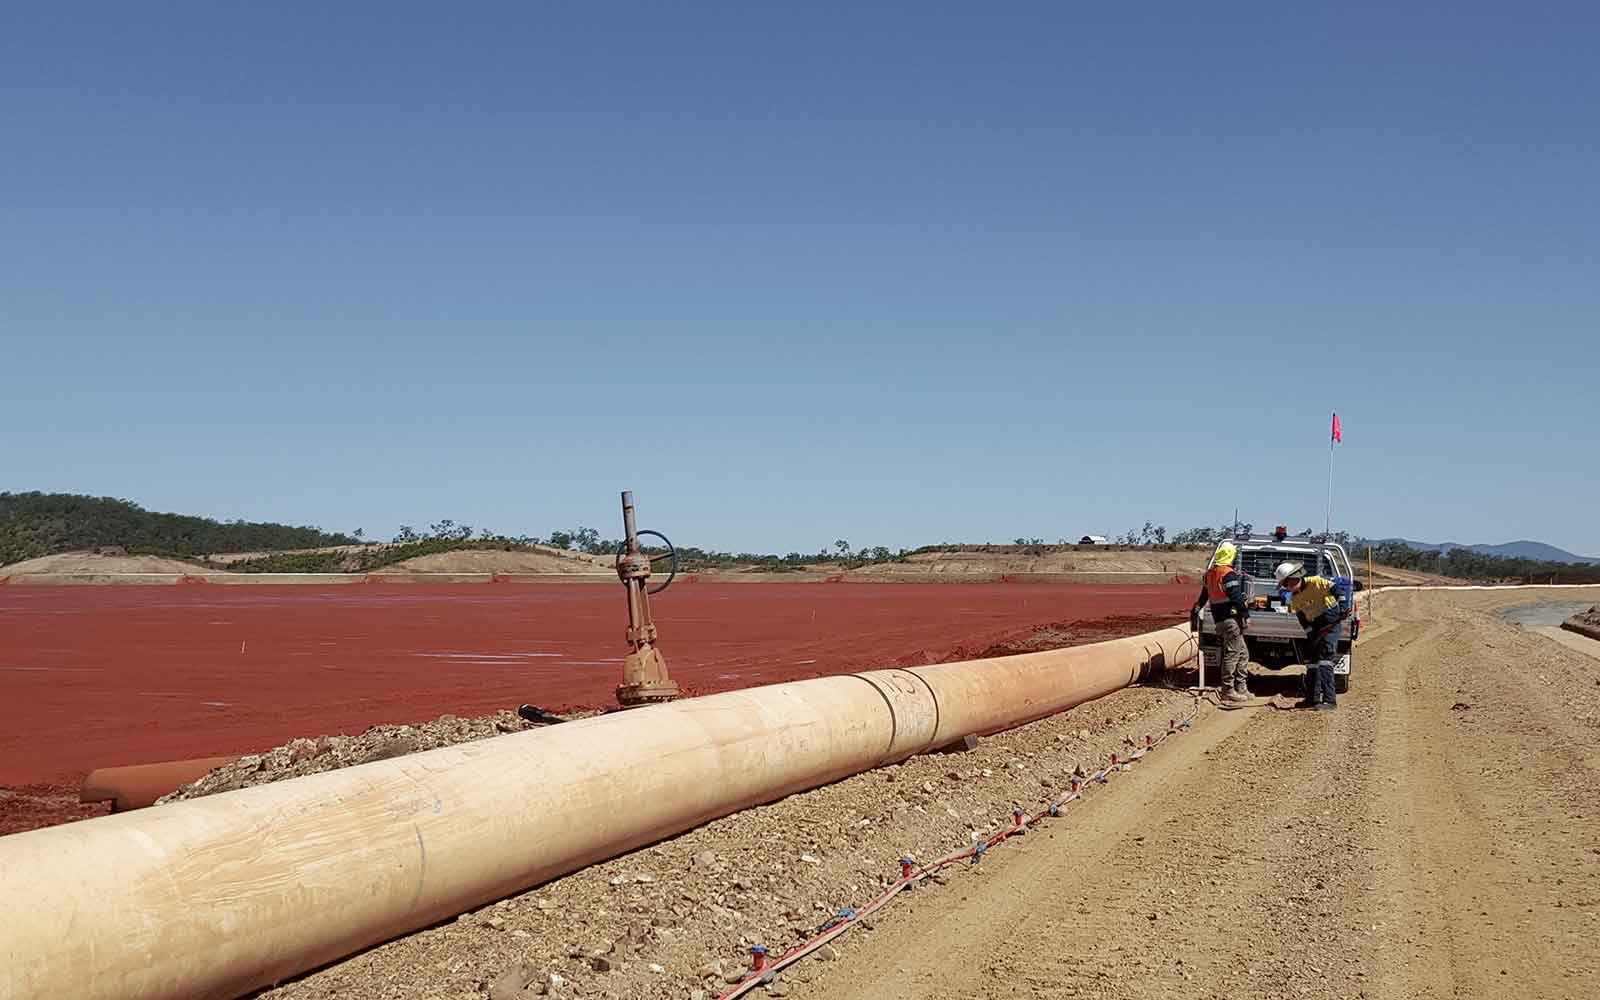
{"x":629,"y":531}
{"x":139,"y":785}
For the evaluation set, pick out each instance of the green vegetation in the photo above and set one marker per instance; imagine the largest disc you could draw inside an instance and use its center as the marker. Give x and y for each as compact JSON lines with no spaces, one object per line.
{"x":448,"y":536}
{"x":41,"y":524}
{"x":1461,"y":564}
{"x":1468,"y":565}
{"x":442,"y":536}
{"x":691,"y":558}
{"x":1206,"y":536}
{"x":369,"y":559}
{"x":842,"y":556}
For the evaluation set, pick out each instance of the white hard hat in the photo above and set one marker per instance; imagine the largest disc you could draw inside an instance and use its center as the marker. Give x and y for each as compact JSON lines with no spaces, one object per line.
{"x":1288,"y":569}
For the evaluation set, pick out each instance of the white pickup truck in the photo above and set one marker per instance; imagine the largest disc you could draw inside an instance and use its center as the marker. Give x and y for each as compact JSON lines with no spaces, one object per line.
{"x":1274,"y":635}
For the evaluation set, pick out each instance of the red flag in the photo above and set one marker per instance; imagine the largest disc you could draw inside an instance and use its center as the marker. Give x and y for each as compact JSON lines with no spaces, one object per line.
{"x":1338,"y":435}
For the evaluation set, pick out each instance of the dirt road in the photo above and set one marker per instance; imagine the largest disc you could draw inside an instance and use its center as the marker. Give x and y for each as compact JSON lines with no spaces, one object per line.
{"x":1438,"y":837}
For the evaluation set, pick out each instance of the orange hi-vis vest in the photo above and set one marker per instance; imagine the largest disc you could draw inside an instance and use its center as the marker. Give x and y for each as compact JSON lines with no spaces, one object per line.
{"x":1214,"y":590}
{"x":1225,"y":590}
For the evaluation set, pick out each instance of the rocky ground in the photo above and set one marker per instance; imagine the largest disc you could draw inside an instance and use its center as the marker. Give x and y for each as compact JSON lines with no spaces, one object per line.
{"x":326,"y":753}
{"x":28,"y":807}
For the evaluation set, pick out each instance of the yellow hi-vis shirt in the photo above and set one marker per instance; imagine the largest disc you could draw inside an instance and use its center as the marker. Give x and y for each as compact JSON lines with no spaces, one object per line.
{"x":1314,"y":598}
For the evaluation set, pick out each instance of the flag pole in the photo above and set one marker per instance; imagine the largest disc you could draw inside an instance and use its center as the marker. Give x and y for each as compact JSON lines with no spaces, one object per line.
{"x":1327,"y":524}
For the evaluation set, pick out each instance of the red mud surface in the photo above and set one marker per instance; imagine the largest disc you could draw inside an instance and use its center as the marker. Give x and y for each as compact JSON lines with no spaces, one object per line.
{"x":101,"y":676}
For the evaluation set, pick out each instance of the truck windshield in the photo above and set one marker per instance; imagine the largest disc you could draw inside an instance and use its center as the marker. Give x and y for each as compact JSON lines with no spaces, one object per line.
{"x":1263,"y":563}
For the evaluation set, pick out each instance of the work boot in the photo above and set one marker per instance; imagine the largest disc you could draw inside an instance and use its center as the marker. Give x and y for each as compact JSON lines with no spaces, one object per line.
{"x":1244,"y":690}
{"x":1309,"y":701}
{"x":1235,"y":696}
{"x":1325,"y":685}
{"x":1326,"y":706}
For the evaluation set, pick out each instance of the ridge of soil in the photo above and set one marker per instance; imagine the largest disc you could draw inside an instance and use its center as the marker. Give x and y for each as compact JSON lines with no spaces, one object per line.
{"x":93,"y":563}
{"x":300,"y":757}
{"x":1585,"y":623}
{"x":501,"y":561}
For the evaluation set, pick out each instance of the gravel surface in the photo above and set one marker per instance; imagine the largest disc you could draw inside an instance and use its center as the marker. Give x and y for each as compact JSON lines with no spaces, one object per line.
{"x":327,"y":753}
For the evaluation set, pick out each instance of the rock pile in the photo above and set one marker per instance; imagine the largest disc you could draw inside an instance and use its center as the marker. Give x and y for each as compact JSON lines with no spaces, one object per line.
{"x":1585,"y":623}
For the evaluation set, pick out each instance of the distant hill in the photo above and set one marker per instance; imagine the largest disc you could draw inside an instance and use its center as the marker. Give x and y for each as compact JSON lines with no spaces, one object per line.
{"x":1537,"y":551}
{"x":43,"y":524}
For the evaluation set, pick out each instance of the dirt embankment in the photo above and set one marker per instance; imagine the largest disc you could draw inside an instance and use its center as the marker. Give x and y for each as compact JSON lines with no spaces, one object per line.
{"x":301,"y":757}
{"x":31,"y":806}
{"x":540,"y":560}
{"x":1390,"y":576}
{"x":1133,"y":564}
{"x":92,"y":567}
{"x":534,"y":559}
{"x":93,"y":564}
{"x":229,"y":558}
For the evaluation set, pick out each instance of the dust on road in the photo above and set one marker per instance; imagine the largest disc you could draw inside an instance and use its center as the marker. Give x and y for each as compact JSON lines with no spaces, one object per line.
{"x":1439,"y":836}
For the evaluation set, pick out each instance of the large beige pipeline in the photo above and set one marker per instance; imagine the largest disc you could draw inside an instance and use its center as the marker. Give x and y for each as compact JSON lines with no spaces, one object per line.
{"x":214,"y":897}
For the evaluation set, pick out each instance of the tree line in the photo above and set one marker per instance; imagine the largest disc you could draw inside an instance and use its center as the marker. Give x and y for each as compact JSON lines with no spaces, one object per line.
{"x":691,"y":557}
{"x":448,"y":535}
{"x":37,"y":524}
{"x":1468,"y":565}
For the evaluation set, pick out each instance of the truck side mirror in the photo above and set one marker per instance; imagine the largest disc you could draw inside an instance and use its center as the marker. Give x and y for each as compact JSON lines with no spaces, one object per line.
{"x":1357,"y":585}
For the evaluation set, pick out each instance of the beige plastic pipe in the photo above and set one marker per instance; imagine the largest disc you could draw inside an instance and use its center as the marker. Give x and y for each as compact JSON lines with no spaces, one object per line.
{"x":218,"y":896}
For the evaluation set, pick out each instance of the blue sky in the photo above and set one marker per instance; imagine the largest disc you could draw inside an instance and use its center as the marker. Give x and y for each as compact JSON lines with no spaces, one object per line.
{"x":897,"y":275}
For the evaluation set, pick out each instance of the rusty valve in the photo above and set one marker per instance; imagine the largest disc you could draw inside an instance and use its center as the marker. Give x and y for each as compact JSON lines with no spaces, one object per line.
{"x":644,"y":670}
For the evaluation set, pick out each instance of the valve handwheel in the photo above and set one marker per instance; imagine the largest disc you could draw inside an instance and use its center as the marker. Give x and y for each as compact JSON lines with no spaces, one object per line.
{"x":671,"y":553}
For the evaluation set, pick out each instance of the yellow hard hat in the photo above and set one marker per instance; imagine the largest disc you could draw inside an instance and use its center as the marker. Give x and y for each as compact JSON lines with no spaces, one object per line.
{"x":1226,"y":554}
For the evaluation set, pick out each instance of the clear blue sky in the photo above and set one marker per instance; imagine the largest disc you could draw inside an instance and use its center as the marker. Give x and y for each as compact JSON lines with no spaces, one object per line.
{"x":941,"y":272}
